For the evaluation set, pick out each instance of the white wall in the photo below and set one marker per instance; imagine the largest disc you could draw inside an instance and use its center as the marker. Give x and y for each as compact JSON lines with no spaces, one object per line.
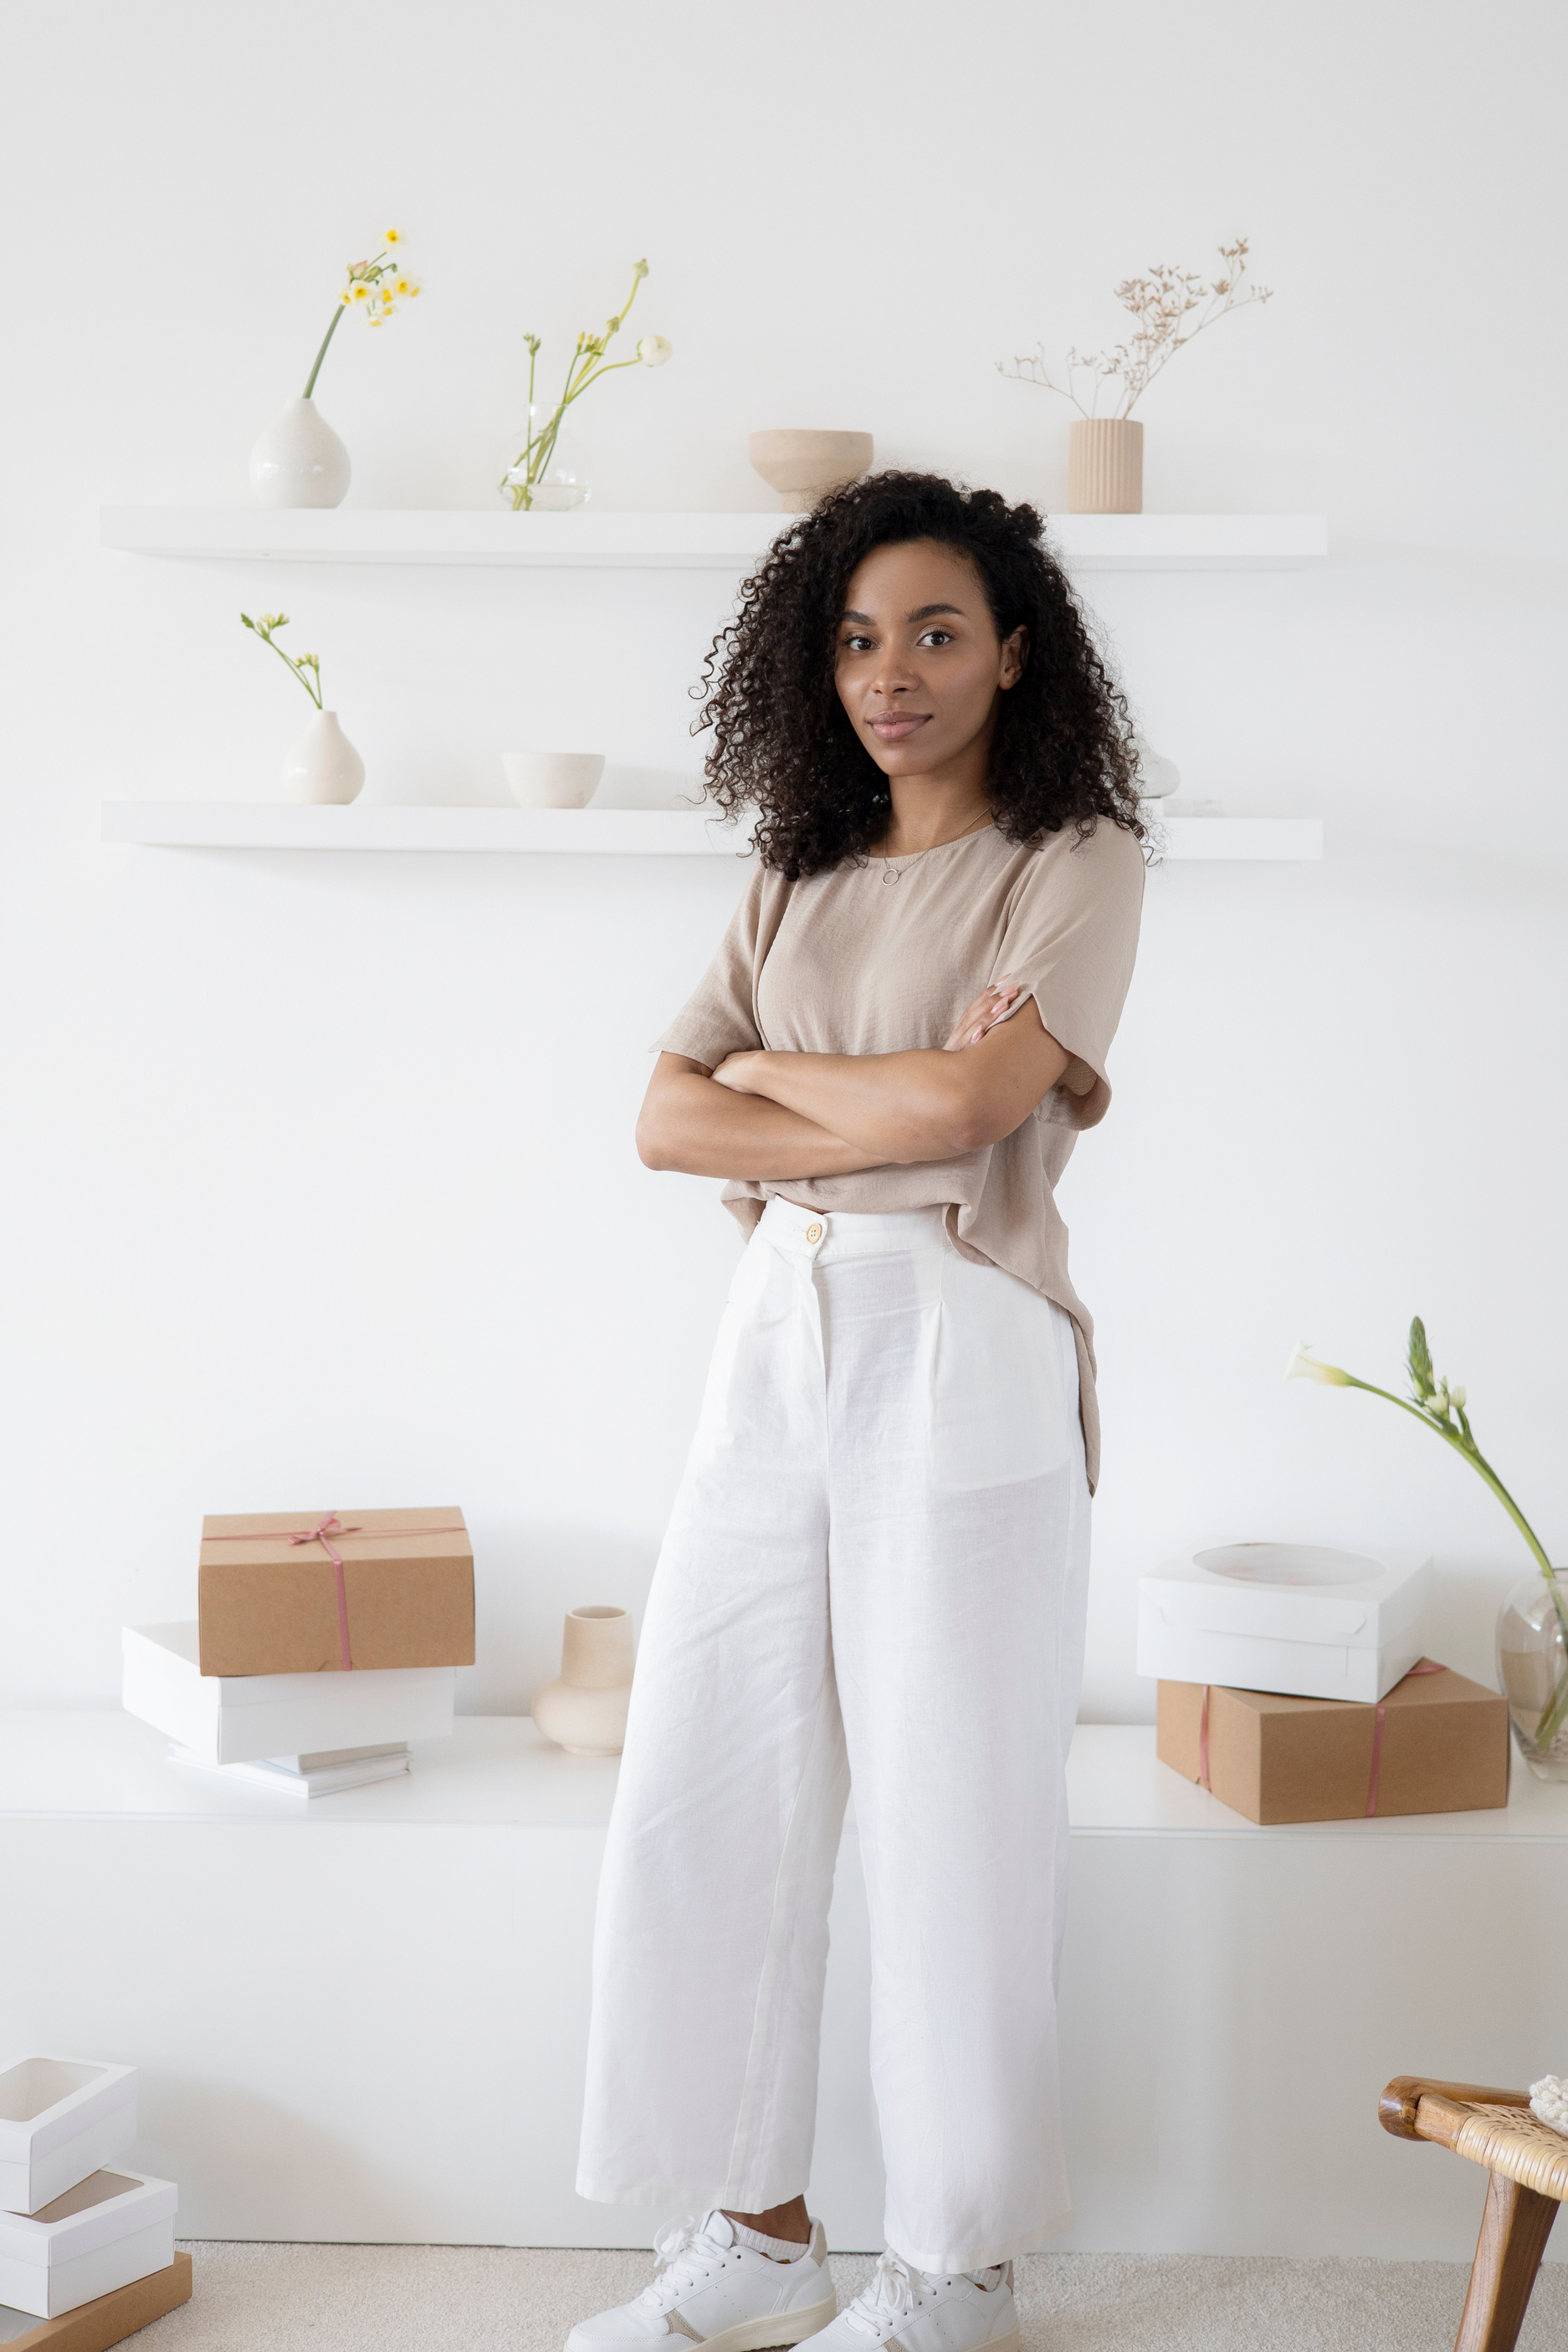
{"x":319,"y":1179}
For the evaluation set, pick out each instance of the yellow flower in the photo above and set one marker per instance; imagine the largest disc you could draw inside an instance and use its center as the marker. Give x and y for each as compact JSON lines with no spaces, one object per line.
{"x":403,"y":286}
{"x":391,"y":238}
{"x":360,"y":293}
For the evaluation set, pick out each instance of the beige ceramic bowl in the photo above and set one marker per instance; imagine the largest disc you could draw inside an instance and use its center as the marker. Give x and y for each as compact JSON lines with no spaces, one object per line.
{"x":553,"y":779}
{"x":804,"y":466}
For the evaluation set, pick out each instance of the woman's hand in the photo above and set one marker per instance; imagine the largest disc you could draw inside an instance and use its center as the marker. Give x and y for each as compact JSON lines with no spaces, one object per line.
{"x":993,"y":1005}
{"x":732,"y":1072}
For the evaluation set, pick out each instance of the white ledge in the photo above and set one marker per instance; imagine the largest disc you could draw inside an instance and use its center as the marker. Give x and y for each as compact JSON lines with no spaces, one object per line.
{"x":105,"y":1766}
{"x":591,"y":832}
{"x":720,"y":542}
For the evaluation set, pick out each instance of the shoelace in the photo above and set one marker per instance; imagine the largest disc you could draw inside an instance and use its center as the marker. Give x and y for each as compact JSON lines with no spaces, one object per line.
{"x":685,"y":2253}
{"x":894,"y":2290}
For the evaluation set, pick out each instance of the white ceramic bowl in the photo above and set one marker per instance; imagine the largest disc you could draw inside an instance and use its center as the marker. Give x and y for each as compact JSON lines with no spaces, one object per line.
{"x":553,"y":779}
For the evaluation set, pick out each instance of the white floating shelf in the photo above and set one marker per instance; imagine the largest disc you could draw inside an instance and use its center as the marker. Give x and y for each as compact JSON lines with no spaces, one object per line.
{"x":717,"y":543}
{"x":593,"y":832}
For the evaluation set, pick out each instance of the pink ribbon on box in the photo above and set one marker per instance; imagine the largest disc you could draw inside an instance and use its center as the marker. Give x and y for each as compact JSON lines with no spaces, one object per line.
{"x":318,"y":1534}
{"x":1425,"y":1668}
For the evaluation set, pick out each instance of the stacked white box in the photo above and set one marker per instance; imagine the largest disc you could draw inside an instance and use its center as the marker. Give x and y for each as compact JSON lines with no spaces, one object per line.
{"x":110,"y":2229}
{"x":243,"y":1719}
{"x":1300,"y":1619}
{"x":60,"y":2118}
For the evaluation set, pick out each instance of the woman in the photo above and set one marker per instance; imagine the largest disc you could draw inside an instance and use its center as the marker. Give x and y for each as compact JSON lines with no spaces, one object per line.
{"x":876,"y":1569}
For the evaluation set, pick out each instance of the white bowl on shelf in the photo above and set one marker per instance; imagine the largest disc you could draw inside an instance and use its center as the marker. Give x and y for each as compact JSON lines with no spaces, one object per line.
{"x":553,"y":779}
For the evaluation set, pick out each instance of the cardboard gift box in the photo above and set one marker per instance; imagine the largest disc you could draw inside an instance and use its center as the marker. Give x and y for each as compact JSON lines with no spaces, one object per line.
{"x":106,"y":2320}
{"x":243,"y":1719}
{"x":284,"y":1593}
{"x":111,"y":2228}
{"x":1301,"y":1618}
{"x":60,"y":2118}
{"x":1435,"y":1743}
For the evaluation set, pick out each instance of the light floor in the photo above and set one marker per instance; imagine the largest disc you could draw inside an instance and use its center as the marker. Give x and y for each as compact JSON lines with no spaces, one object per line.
{"x":260,"y":2298}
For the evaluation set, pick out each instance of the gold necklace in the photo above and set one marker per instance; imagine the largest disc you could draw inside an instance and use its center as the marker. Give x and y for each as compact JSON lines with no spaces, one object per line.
{"x":890,"y":872}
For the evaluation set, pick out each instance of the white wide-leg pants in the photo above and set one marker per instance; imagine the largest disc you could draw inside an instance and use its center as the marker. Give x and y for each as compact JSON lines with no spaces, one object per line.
{"x":876,"y":1570}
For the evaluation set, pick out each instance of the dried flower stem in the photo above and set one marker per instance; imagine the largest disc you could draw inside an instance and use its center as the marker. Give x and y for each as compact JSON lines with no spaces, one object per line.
{"x":1158,"y":302}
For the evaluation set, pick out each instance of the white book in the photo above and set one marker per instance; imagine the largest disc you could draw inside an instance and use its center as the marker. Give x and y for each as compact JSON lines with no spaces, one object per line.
{"x":250,"y":1718}
{"x":325,"y":1774}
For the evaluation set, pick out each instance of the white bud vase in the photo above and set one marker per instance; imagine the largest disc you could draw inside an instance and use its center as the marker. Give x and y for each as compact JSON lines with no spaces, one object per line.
{"x":299,"y":461}
{"x":586,"y":1711}
{"x":324,"y":766}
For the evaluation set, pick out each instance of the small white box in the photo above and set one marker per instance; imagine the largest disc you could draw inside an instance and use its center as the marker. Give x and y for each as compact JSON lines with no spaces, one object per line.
{"x":111,"y":2228}
{"x":240,"y":1718}
{"x":1296,"y":1618}
{"x":60,"y":2118}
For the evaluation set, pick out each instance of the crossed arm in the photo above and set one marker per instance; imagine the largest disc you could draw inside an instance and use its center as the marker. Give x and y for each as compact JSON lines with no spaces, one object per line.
{"x":776,"y":1116}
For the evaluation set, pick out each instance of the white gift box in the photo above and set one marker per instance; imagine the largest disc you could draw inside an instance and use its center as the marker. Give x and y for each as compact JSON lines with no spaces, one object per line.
{"x":111,"y":2228}
{"x":239,"y":1718}
{"x":60,"y":2118}
{"x":1297,"y":1618}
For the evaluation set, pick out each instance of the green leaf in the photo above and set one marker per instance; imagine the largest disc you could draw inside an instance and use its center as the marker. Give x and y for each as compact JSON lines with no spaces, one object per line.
{"x":1419,"y":1358}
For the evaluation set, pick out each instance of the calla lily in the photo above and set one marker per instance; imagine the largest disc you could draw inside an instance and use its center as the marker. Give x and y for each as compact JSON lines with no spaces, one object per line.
{"x":1303,"y":1367}
{"x":1434,"y":1404}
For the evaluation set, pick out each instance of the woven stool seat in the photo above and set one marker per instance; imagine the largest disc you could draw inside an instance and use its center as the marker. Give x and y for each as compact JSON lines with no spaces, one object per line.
{"x":1518,"y":2145}
{"x":1527,"y":2164}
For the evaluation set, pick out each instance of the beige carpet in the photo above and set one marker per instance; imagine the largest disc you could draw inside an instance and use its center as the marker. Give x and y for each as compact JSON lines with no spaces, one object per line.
{"x":254,"y":2299}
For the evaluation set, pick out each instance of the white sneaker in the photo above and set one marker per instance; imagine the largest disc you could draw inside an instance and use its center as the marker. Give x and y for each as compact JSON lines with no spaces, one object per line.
{"x":927,"y":2311}
{"x":711,"y":2290}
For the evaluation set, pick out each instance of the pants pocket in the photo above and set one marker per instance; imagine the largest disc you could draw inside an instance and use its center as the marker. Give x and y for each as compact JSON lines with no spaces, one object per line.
{"x":1001,"y":1410}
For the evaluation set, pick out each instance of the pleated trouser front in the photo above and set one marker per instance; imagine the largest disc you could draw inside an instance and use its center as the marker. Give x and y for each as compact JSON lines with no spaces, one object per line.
{"x":876,"y":1572}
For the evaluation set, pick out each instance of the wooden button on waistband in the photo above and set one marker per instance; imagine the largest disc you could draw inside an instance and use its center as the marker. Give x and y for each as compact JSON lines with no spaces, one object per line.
{"x":814,"y":1232}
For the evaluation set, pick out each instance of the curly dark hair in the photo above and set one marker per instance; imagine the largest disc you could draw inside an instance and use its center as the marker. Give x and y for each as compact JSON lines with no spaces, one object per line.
{"x":1063,"y":751}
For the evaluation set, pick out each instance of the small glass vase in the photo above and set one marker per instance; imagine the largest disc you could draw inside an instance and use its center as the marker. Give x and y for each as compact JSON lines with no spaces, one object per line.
{"x":559,"y":488}
{"x":1532,"y":1661}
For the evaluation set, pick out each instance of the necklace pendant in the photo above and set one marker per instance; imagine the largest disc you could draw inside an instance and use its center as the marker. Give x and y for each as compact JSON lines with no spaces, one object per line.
{"x":890,"y":873}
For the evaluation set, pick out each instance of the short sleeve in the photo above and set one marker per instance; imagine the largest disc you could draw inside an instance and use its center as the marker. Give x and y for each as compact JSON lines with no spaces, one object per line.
{"x":720,"y":1018}
{"x":1070,"y":941}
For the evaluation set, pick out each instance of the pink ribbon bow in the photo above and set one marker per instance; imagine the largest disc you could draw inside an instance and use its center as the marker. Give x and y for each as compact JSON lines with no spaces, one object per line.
{"x":319,"y":1535}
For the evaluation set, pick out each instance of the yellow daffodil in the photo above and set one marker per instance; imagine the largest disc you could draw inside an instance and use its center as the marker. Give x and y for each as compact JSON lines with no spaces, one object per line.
{"x":393,"y":237}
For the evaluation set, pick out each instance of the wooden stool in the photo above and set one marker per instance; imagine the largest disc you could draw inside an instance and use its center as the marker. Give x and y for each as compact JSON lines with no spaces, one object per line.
{"x":1528,"y":2162}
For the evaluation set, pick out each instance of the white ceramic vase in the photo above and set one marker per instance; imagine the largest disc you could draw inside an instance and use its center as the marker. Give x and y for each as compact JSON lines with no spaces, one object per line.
{"x":586,"y":1711}
{"x":299,"y":461}
{"x":324,"y":766}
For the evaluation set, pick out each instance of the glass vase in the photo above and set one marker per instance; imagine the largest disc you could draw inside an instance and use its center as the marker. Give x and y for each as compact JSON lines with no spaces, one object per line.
{"x":1531,"y":1664}
{"x":560,"y":488}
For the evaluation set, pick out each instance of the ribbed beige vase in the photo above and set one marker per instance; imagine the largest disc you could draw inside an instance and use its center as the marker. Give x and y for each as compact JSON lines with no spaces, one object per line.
{"x":586,"y":1711}
{"x":1105,"y":466}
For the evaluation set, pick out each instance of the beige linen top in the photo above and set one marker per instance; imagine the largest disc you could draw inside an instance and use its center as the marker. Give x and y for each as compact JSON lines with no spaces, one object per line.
{"x":881,"y":959}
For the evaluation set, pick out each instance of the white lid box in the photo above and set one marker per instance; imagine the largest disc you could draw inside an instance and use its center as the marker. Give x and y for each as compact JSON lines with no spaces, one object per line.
{"x":111,"y":2228}
{"x":1304,"y":1619}
{"x":60,"y":2118}
{"x":245,"y":1718}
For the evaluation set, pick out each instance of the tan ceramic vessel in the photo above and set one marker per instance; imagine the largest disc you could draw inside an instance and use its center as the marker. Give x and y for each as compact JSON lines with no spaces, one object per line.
{"x":1105,"y":466}
{"x":584,"y":1711}
{"x":804,"y":466}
